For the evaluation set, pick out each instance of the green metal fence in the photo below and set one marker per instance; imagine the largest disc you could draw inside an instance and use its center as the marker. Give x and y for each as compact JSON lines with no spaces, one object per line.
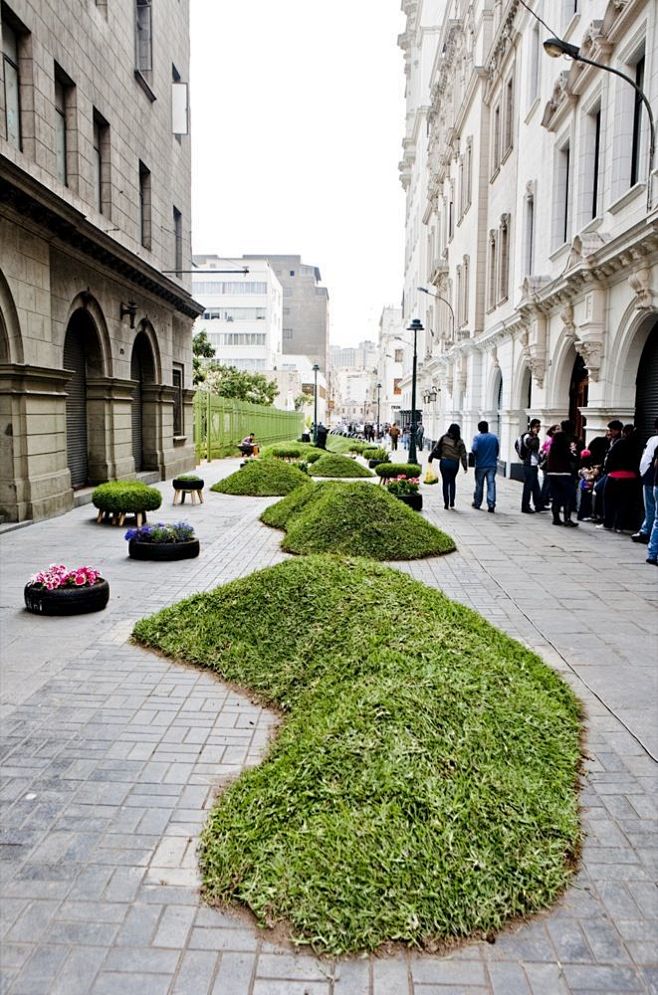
{"x":221,"y":423}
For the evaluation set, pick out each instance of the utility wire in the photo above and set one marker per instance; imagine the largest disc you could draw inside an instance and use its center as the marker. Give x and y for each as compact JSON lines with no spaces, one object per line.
{"x":553,"y":34}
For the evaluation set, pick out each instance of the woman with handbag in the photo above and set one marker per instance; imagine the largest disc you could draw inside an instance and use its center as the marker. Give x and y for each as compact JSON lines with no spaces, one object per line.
{"x":450,"y":452}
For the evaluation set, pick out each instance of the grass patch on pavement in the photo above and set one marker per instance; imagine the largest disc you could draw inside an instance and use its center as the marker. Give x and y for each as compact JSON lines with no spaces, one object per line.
{"x":335,"y":465}
{"x":262,"y":478}
{"x":422,"y":787}
{"x":355,"y":519}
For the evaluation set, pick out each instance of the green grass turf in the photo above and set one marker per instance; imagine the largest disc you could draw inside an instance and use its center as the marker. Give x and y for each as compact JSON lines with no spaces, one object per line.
{"x":422,"y":787}
{"x":355,"y":519}
{"x":335,"y":465}
{"x":262,"y":478}
{"x":291,"y":450}
{"x":341,"y":444}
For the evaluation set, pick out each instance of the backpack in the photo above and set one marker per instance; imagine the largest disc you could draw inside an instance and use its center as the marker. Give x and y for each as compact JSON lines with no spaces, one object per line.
{"x":520,"y":446}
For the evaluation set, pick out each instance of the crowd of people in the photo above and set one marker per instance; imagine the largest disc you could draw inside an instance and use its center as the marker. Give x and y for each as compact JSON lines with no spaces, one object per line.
{"x":613,"y":481}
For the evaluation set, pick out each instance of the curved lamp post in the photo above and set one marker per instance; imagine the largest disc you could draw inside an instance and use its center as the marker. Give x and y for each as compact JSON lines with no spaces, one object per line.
{"x":556,"y":47}
{"x":438,"y":297}
{"x":316,"y":369}
{"x":379,"y":387}
{"x":415,"y":327}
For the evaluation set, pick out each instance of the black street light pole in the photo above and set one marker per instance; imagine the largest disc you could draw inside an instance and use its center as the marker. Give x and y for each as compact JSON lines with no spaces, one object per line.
{"x":429,"y":293}
{"x":379,"y":387}
{"x":415,"y":327}
{"x":555,"y":47}
{"x":315,"y":403}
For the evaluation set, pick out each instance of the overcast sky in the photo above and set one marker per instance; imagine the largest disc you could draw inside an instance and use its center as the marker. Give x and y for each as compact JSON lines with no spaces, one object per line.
{"x":297,"y":124}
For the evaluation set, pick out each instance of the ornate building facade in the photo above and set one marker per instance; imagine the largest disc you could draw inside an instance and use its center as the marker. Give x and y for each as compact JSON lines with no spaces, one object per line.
{"x":95,"y":307}
{"x":541,"y":220}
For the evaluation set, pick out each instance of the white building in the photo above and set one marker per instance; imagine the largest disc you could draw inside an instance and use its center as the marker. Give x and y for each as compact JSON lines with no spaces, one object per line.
{"x":354,"y":395}
{"x":296,"y":379}
{"x":390,"y":364}
{"x":243,"y":312}
{"x":540,"y":221}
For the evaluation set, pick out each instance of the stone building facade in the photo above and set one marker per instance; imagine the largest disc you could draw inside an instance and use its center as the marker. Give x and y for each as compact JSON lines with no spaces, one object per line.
{"x":541,"y":220}
{"x":96,"y":312}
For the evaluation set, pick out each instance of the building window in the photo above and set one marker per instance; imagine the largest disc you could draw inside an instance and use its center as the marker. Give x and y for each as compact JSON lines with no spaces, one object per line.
{"x":469,"y":172}
{"x":398,"y":356}
{"x":292,"y":272}
{"x":11,"y":85}
{"x":101,"y":164}
{"x":143,"y":37}
{"x":529,"y":234}
{"x":465,"y":279}
{"x":503,"y":258}
{"x":451,"y":211}
{"x":145,"y":205}
{"x":459,"y":296}
{"x":178,"y":380}
{"x":234,"y":288}
{"x":495,"y":140}
{"x":287,"y":333}
{"x":60,"y":130}
{"x":178,"y":242}
{"x":596,"y":164}
{"x":509,"y":115}
{"x":562,"y":205}
{"x":636,"y":147}
{"x":462,"y":188}
{"x":492,"y":269}
{"x":535,"y":64}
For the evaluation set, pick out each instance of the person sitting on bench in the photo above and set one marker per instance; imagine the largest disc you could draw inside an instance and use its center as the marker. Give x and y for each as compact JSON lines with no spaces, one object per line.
{"x":246,"y":447}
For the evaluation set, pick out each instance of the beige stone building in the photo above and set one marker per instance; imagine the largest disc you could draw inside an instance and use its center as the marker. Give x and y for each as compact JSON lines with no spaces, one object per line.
{"x":95,"y":307}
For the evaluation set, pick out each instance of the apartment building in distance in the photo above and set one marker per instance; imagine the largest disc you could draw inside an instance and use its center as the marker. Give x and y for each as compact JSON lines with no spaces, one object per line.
{"x":96,"y":312}
{"x":242,"y":311}
{"x":390,"y":364}
{"x":305,"y":307}
{"x":541,"y":220}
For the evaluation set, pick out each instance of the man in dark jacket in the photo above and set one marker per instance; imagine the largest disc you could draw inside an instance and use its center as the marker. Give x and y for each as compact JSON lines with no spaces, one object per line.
{"x":529,"y":454}
{"x":621,"y":473}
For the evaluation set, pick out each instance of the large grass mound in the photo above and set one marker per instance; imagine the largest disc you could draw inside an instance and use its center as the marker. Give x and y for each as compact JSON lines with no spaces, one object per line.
{"x":355,"y":519}
{"x":334,"y":465}
{"x":262,"y":478}
{"x":292,"y":450}
{"x":423,"y":785}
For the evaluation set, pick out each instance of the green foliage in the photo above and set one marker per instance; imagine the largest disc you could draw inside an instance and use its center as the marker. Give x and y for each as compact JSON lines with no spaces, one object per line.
{"x":262,"y":478}
{"x":201,"y":349}
{"x":126,"y":495}
{"x":402,"y":487}
{"x":355,"y":519}
{"x":313,"y":455}
{"x":386,"y":470}
{"x":302,"y":400}
{"x":188,"y":476}
{"x":229,"y":382}
{"x":333,"y":465}
{"x":293,"y":450}
{"x":376,"y":453}
{"x":340,"y":444}
{"x":422,"y":787}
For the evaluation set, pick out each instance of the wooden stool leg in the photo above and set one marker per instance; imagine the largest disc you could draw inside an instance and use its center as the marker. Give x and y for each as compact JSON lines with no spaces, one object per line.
{"x":176,"y":497}
{"x":200,"y":493}
{"x":122,"y":519}
{"x":99,"y":517}
{"x":138,"y":519}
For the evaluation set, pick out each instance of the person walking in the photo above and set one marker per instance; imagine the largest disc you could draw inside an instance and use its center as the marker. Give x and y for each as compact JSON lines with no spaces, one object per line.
{"x":420,"y":435}
{"x":560,"y":473}
{"x":394,"y":435}
{"x":527,"y":448}
{"x":450,"y":452}
{"x":485,"y":448}
{"x":652,"y":548}
{"x":647,"y":475}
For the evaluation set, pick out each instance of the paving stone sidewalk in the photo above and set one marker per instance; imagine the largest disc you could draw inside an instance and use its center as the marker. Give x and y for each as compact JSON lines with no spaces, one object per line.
{"x":112,"y":757}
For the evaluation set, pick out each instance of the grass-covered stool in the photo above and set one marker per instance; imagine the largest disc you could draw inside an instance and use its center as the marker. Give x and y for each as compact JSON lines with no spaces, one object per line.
{"x":190,"y":484}
{"x":119,"y":498}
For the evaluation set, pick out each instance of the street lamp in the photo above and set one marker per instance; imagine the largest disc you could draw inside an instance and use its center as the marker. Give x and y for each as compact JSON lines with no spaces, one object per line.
{"x":379,"y":387}
{"x":415,"y":327}
{"x":556,"y":47}
{"x":429,"y":293}
{"x":315,"y":403}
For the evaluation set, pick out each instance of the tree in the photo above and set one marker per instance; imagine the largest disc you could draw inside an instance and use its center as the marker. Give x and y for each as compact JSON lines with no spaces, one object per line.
{"x":302,"y":400}
{"x":228,"y":381}
{"x":201,"y":349}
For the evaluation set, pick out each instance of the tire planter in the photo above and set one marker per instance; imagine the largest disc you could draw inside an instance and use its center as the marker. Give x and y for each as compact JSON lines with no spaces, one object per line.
{"x":160,"y":551}
{"x":372,"y":463}
{"x":414,"y":501}
{"x":67,"y":600}
{"x":187,"y":485}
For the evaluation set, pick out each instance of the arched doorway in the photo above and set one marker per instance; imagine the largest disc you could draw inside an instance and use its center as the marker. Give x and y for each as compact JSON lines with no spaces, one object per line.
{"x":82,"y":358}
{"x":646,"y":386}
{"x":142,"y":370}
{"x":578,"y":392}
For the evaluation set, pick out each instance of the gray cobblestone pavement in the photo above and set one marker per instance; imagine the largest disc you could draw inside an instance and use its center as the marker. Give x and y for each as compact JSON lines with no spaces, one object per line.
{"x":112,"y":757}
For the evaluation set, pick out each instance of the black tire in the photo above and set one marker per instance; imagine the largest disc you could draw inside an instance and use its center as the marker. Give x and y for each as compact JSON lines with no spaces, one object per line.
{"x":372,"y":463}
{"x":160,"y":551}
{"x":188,"y":485}
{"x":414,"y":501}
{"x":68,"y":600}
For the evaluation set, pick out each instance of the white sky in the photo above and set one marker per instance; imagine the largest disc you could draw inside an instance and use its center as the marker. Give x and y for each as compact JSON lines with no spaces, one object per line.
{"x":297,"y":124}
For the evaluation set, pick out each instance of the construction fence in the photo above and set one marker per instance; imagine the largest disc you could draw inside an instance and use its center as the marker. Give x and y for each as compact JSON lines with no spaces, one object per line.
{"x":221,"y":423}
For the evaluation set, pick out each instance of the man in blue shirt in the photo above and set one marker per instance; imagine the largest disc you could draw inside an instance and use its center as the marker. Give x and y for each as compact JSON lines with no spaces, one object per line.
{"x":485,"y":448}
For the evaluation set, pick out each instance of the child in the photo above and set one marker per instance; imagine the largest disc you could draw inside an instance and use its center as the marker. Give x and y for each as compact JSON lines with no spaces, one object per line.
{"x":587,"y":475}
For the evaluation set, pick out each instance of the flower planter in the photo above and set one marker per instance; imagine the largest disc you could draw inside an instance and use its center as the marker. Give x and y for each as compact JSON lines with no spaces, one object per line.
{"x":160,"y":551}
{"x":414,"y":501}
{"x":372,"y":463}
{"x":192,"y":487}
{"x":67,"y":600}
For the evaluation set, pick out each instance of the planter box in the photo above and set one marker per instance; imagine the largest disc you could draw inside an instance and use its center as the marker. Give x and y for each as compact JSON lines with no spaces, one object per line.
{"x":414,"y":501}
{"x":160,"y":551}
{"x":67,"y":600}
{"x":192,"y":487}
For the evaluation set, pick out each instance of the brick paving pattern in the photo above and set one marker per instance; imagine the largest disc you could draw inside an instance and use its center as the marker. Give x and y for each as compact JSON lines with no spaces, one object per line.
{"x":112,"y":757}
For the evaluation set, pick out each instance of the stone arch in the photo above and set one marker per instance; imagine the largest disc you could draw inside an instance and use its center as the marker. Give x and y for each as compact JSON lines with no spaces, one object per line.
{"x":11,"y":340}
{"x":147,"y":329}
{"x":561,"y":370}
{"x":635,"y":328}
{"x":86,"y":302}
{"x":144,"y":372}
{"x":84,"y":357}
